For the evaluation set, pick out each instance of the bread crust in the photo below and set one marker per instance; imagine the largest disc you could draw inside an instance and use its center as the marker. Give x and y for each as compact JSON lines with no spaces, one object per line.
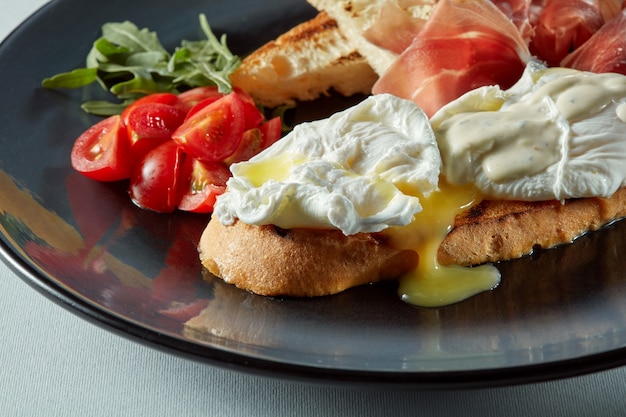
{"x":495,"y":231}
{"x":307,"y":62}
{"x":353,"y":18}
{"x":271,"y":261}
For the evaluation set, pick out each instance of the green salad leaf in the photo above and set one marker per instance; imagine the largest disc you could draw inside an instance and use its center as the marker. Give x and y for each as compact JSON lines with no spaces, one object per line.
{"x":130,"y":63}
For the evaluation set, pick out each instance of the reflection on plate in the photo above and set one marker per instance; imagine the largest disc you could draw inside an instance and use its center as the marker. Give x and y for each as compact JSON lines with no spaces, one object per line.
{"x":558,"y":313}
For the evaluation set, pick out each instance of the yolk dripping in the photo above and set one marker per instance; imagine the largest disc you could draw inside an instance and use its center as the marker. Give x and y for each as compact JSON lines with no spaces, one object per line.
{"x":432,"y":284}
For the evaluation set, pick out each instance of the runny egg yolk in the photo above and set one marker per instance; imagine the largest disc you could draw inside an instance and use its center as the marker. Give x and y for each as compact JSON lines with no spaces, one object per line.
{"x":431,"y":284}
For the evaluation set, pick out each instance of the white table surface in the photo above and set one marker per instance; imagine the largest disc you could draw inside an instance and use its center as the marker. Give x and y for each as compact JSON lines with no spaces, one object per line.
{"x":53,"y":363}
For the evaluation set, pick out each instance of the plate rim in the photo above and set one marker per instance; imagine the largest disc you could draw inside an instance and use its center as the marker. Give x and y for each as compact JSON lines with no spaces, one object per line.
{"x":209,"y":355}
{"x":485,"y":378}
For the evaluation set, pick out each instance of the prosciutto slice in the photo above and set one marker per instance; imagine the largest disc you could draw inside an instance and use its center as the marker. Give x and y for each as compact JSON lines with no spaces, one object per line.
{"x":605,"y":51}
{"x":564,"y":25}
{"x":465,"y":44}
{"x":520,"y":12}
{"x":395,"y":26}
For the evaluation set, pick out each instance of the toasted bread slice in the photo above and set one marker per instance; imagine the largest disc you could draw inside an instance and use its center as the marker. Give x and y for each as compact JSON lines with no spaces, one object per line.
{"x":501,"y":230}
{"x":267,"y":260}
{"x":308,"y":262}
{"x":356,"y":18}
{"x":303,"y":64}
{"x":353,"y":18}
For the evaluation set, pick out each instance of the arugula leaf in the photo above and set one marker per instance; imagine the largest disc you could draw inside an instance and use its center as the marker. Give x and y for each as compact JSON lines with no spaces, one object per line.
{"x":130,"y":62}
{"x":77,"y":78}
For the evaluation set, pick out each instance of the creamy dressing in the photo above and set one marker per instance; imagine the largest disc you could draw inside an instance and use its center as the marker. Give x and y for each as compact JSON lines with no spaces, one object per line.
{"x":540,"y":140}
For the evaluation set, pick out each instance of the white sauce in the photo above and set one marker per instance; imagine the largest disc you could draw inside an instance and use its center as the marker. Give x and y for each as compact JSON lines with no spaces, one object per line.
{"x":558,"y":133}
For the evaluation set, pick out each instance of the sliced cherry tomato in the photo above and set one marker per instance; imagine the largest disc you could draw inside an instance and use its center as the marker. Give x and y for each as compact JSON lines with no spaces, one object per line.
{"x":201,"y":105}
{"x":253,"y":116}
{"x":163,"y":98}
{"x":151,"y":124}
{"x":271,"y":131}
{"x":205,"y":181}
{"x":155,"y":181}
{"x":194,"y":96}
{"x":250,"y":145}
{"x":102,"y":151}
{"x":214,"y":132}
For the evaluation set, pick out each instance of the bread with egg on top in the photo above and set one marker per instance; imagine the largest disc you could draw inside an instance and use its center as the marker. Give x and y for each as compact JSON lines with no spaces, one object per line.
{"x":310,"y":262}
{"x":267,"y":260}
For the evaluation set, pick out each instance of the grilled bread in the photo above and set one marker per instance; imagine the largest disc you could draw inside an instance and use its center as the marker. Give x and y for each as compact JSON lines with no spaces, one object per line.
{"x":500,"y":230}
{"x":353,"y":17}
{"x":303,"y":64}
{"x":307,"y":262}
{"x":356,"y":17}
{"x":298,"y":262}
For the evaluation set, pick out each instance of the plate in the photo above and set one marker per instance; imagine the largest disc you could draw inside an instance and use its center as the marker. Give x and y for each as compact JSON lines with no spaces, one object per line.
{"x":557,"y":313}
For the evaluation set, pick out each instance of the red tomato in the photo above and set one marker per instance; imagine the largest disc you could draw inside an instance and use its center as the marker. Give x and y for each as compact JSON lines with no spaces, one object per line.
{"x":252,"y":114}
{"x":162,"y":98}
{"x":102,"y":151}
{"x":255,"y":140}
{"x":194,"y":96}
{"x":271,"y":131}
{"x":250,"y":145}
{"x":205,"y":181}
{"x":214,"y":132}
{"x":151,"y":124}
{"x":201,"y":104}
{"x":155,"y":180}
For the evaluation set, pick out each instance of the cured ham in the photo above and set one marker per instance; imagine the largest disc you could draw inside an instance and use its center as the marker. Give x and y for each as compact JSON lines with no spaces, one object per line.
{"x":464,"y":45}
{"x":520,"y":12}
{"x":605,"y":51}
{"x":398,"y":22}
{"x":564,"y":25}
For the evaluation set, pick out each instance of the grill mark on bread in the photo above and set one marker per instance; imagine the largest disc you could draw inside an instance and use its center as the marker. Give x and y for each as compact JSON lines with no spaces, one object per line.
{"x":307,"y":62}
{"x":322,"y":24}
{"x":495,"y":231}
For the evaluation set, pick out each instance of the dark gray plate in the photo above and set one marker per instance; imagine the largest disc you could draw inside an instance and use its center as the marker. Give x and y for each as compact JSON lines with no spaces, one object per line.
{"x":558,"y":313}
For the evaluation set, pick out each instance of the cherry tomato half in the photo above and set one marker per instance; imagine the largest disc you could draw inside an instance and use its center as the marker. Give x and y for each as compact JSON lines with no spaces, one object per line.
{"x":151,"y":124}
{"x":102,"y":151}
{"x":204,"y":181}
{"x":254,"y":117}
{"x":194,"y":96}
{"x":271,"y":131}
{"x":207,"y":95}
{"x":155,"y":180}
{"x":215,"y":131}
{"x":162,"y":98}
{"x":250,"y":145}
